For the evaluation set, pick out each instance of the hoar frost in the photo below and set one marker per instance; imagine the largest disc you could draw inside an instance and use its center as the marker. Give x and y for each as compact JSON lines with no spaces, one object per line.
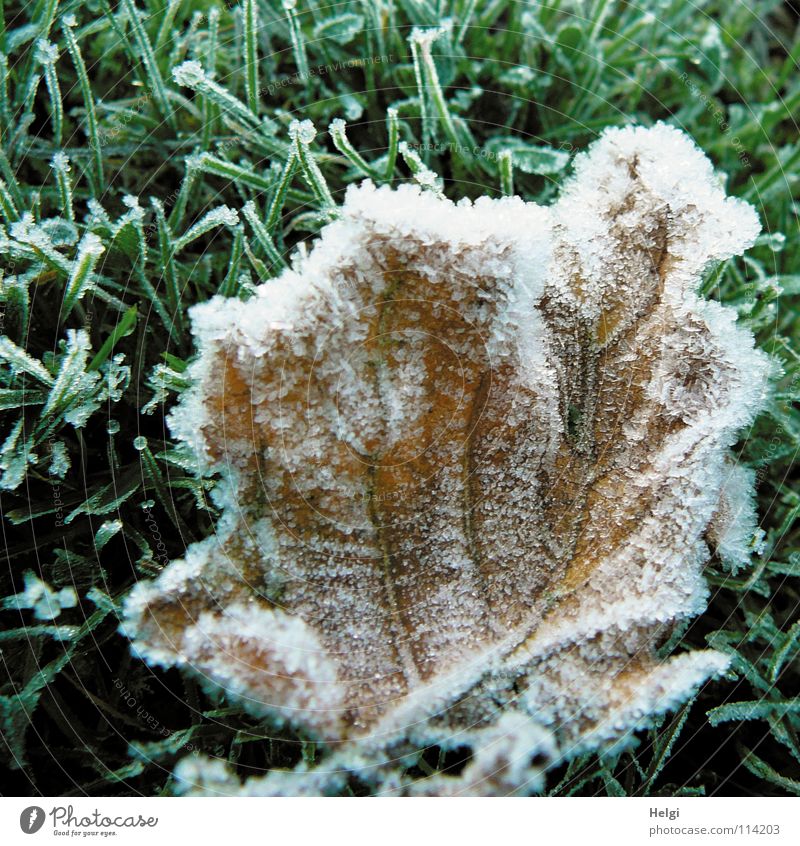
{"x":474,"y":460}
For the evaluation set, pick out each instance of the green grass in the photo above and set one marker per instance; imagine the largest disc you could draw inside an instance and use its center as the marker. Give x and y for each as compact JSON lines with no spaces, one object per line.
{"x":95,"y":495}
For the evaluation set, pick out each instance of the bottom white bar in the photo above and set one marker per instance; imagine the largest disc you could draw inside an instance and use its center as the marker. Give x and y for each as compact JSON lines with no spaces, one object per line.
{"x":401,"y":821}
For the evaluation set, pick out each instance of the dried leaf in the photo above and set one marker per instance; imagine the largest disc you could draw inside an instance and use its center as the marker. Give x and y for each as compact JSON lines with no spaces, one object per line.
{"x":472,"y":459}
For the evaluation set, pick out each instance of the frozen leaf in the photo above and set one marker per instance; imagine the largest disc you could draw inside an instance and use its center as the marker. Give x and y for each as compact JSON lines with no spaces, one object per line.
{"x":162,"y":380}
{"x":59,"y":460}
{"x":222,"y":216}
{"x":472,"y":456}
{"x":74,"y":385}
{"x":530,"y":158}
{"x":106,"y":531}
{"x":19,"y":361}
{"x":342,"y":28}
{"x":81,"y":278}
{"x":116,"y":377}
{"x":127,"y":233}
{"x":15,"y":456}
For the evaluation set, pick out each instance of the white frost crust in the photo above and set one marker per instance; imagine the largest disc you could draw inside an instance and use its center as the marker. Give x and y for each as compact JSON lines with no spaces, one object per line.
{"x":508,"y":758}
{"x":302,"y":679}
{"x":631,"y":587}
{"x":504,"y":239}
{"x":178,"y":580}
{"x":704,"y":224}
{"x":200,"y":776}
{"x":502,"y":763}
{"x":736,"y":534}
{"x":560,"y":697}
{"x":664,"y":688}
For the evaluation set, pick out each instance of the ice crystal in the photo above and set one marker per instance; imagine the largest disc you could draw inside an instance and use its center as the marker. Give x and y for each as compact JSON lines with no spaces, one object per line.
{"x":45,"y":602}
{"x":474,"y":457}
{"x":190,"y":74}
{"x":46,"y":52}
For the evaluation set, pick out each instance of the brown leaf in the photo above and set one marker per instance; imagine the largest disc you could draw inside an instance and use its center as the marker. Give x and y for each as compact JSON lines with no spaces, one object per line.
{"x":470,"y":457}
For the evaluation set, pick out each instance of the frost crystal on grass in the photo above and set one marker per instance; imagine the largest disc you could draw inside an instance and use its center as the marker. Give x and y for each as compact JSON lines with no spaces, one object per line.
{"x":473,"y":459}
{"x":190,"y":74}
{"x":45,"y":602}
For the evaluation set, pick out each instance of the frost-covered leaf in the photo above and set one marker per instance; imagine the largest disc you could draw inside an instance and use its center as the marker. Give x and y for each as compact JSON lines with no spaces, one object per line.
{"x":81,"y":277}
{"x":33,"y":240}
{"x":74,"y":386}
{"x":162,"y":380}
{"x":419,"y":170}
{"x":222,"y":216}
{"x":762,"y":769}
{"x":59,"y":460}
{"x":20,"y":362}
{"x":15,"y":455}
{"x":789,"y":648}
{"x":116,"y":377}
{"x":756,"y":710}
{"x":10,"y":399}
{"x":127,"y":235}
{"x":108,"y":498}
{"x":472,"y":458}
{"x":342,"y":28}
{"x":106,"y":531}
{"x":530,"y":158}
